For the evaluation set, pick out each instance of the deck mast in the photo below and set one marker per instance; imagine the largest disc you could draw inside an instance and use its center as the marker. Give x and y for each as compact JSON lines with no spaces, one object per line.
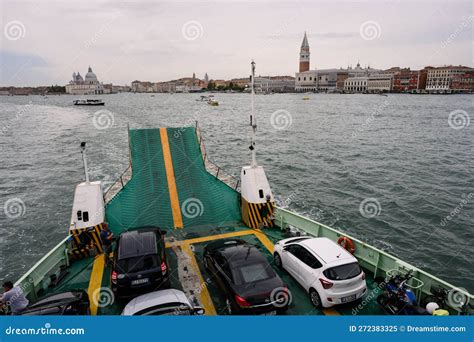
{"x":84,"y":160}
{"x":253,"y":120}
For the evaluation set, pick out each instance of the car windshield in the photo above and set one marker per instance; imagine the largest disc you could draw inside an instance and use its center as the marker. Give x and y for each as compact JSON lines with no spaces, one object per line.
{"x":164,"y":310}
{"x":343,"y":272}
{"x":252,"y":273}
{"x":138,"y":264}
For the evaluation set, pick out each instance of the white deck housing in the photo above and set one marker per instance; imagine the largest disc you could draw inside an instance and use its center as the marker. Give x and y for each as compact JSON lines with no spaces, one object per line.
{"x":254,"y":185}
{"x":88,"y":206}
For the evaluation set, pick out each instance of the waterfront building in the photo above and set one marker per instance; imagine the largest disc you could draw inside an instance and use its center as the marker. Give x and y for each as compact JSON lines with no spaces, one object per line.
{"x":406,"y":80}
{"x":85,"y":86}
{"x":327,"y":80}
{"x":380,"y":83}
{"x":463,"y":83}
{"x":242,"y":82}
{"x":440,"y":80}
{"x":356,"y":84}
{"x":274,"y":84}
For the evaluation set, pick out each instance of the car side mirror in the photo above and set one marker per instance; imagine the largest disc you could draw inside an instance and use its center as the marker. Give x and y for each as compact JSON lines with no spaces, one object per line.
{"x":199,"y":310}
{"x":285,"y":249}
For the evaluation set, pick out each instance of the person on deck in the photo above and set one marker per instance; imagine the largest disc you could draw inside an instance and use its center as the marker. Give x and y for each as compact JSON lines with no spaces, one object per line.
{"x":106,"y":237}
{"x":14,"y":298}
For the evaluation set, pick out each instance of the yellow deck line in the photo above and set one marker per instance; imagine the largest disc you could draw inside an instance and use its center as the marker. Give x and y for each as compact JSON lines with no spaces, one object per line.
{"x":210,"y":238}
{"x":175,"y":209}
{"x":330,"y":312}
{"x":264,"y":240}
{"x":205,"y":297}
{"x":95,"y":282}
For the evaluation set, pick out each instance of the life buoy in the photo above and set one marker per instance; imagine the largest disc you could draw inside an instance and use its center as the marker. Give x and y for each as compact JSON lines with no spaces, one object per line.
{"x":347,"y":244}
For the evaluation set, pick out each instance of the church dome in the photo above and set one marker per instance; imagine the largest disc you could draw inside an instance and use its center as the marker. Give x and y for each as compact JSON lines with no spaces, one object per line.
{"x":90,"y":76}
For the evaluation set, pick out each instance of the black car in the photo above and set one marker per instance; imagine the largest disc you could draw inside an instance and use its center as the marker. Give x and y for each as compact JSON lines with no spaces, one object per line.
{"x":75,"y":302}
{"x":245,"y":277}
{"x":139,"y":262}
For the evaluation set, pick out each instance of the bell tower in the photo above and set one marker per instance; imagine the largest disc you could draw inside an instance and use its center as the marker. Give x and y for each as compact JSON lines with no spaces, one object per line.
{"x":304,"y":55}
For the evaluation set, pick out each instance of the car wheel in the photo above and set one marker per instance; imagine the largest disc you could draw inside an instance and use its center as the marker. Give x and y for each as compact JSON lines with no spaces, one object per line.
{"x":228,"y":306}
{"x":277,"y":259}
{"x":315,"y":299}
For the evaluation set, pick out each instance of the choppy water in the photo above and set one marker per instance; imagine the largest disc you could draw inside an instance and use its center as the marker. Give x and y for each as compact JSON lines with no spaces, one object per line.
{"x":338,"y":151}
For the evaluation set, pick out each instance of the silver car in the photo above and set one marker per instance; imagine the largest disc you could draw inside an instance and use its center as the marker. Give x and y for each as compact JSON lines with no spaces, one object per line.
{"x":165,"y":302}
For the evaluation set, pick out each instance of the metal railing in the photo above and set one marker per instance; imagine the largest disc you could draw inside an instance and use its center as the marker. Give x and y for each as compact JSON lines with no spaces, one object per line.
{"x":118,"y":185}
{"x":214,"y":169}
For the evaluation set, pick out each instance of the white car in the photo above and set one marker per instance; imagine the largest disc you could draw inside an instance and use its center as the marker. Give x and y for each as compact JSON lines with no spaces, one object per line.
{"x":164,"y":302}
{"x":329,"y":273}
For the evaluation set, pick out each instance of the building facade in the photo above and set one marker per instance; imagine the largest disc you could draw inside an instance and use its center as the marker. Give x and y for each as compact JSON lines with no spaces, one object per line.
{"x":89,"y":85}
{"x":440,"y":80}
{"x":356,"y":84}
{"x":381,"y":83}
{"x":276,"y":84}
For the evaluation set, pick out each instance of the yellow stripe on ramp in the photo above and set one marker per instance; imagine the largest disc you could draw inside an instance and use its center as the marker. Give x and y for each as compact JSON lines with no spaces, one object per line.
{"x":205,"y":297}
{"x":174,"y":200}
{"x":95,"y":283}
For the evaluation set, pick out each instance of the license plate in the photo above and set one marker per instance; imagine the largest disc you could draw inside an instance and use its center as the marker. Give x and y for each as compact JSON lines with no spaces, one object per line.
{"x":271,"y":313}
{"x":140,"y":281}
{"x":348,"y":299}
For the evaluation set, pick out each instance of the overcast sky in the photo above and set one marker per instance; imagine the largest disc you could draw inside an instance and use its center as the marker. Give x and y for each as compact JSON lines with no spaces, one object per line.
{"x":44,"y":41}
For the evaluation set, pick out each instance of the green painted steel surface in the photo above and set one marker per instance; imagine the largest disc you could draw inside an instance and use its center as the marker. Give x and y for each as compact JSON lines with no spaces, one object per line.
{"x":203,"y":198}
{"x":145,"y":201}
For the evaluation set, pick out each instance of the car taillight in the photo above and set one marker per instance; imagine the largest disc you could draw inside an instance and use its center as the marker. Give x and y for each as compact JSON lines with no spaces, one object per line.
{"x":163,"y":268}
{"x":326,"y":284}
{"x":363,"y":275}
{"x":241,"y":301}
{"x":114,"y":277}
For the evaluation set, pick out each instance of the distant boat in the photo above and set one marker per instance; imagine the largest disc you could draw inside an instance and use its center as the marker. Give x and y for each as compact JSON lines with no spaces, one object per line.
{"x":382,"y":94}
{"x":88,"y":102}
{"x":306,"y":98}
{"x":205,"y":98}
{"x":213,"y":102}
